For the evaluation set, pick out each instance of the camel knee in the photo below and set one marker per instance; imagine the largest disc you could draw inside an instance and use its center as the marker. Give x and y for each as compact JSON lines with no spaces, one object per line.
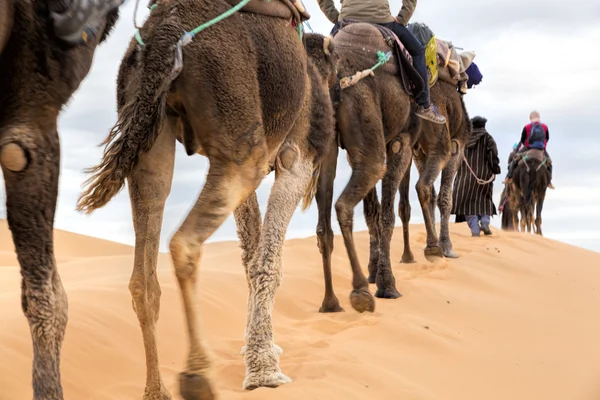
{"x":344,"y":213}
{"x":324,"y":239}
{"x":14,"y":157}
{"x":185,"y":255}
{"x":46,"y":308}
{"x":145,"y":295}
{"x":423,"y":191}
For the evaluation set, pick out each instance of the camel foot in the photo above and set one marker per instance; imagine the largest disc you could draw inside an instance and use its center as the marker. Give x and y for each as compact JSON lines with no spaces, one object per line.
{"x":432,"y":253}
{"x":278,"y":350}
{"x":160,"y":394}
{"x":408,"y":259}
{"x":372,"y":278}
{"x":449,"y":253}
{"x":195,"y":387}
{"x":389,"y":292}
{"x":362,"y":300}
{"x":331,"y":306}
{"x":271,"y":379}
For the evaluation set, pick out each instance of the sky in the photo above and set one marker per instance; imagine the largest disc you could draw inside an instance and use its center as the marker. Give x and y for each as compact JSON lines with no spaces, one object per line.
{"x":533,"y":54}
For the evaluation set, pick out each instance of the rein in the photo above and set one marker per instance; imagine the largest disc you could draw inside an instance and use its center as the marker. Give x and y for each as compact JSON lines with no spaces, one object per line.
{"x":479,"y":180}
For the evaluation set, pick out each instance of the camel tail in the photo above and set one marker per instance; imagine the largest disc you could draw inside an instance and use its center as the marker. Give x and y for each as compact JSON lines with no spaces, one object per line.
{"x":311,"y":189}
{"x":139,"y":122}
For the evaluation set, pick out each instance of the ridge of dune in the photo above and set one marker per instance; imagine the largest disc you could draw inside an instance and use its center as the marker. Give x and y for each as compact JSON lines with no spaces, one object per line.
{"x":515,"y":317}
{"x":67,"y":245}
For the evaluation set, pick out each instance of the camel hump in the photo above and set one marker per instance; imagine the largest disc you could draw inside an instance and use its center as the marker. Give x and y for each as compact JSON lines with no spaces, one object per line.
{"x":535,"y":154}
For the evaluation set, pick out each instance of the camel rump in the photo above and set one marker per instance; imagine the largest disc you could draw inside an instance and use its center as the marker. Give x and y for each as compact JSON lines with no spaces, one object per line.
{"x":364,"y":40}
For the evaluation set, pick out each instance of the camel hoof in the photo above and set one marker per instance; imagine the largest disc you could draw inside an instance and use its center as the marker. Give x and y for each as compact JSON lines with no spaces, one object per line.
{"x":161,"y":394}
{"x":432,"y":253}
{"x":331,"y":306}
{"x":388,"y":293}
{"x":410,"y":259}
{"x":264,"y":379}
{"x":195,"y":387}
{"x":278,"y":350}
{"x":362,"y":300}
{"x":450,"y":254}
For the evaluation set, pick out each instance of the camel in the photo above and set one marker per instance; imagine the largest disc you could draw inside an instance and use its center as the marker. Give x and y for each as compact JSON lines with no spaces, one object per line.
{"x":375,"y":126}
{"x":39,"y":72}
{"x":528,"y":191}
{"x":439,"y":149}
{"x":250,"y":100}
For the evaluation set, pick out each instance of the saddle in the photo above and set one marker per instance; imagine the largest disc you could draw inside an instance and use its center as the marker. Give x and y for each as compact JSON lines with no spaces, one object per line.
{"x":285,"y":9}
{"x":365,"y":40}
{"x":533,"y":154}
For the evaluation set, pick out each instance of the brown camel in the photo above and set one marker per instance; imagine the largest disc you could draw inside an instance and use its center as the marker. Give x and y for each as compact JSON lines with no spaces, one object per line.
{"x":249,"y":99}
{"x":439,"y":149}
{"x":38,"y":75}
{"x":528,"y":191}
{"x":375,"y":127}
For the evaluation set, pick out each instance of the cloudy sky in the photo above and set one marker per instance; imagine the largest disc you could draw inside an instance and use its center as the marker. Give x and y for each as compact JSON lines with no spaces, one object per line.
{"x":532,"y":54}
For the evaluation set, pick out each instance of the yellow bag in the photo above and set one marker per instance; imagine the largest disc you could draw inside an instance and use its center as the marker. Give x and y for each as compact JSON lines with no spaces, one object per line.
{"x":431,"y":60}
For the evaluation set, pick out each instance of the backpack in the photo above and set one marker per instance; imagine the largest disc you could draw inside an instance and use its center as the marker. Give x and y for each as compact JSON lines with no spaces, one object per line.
{"x":537,"y":137}
{"x":427,"y":39}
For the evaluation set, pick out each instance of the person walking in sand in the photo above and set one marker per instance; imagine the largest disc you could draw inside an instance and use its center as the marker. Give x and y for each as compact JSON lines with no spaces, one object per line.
{"x":474,"y":182}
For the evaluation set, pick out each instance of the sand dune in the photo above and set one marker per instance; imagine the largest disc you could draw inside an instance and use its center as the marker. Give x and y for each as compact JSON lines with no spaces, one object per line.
{"x":516,"y":317}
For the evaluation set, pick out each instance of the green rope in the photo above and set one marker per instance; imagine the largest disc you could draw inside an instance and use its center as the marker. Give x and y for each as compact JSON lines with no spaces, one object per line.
{"x":202,"y":27}
{"x":382,"y":59}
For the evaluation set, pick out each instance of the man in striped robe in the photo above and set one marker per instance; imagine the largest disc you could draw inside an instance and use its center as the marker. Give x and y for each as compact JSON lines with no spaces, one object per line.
{"x":474,"y":182}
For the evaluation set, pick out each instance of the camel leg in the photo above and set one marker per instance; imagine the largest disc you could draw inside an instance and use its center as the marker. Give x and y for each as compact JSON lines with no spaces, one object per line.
{"x":372,"y":213}
{"x":324,"y":197}
{"x":398,"y":160}
{"x":149,"y":186}
{"x":227,"y":185}
{"x":427,"y":176}
{"x":404,"y":210}
{"x":365,"y":174}
{"x":30,"y":161}
{"x":538,"y":212}
{"x":294,"y":171}
{"x":248,"y":221}
{"x":445,"y":204}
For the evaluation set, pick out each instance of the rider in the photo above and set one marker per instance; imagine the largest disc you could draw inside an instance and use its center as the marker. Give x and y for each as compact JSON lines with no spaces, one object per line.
{"x":378,"y":12}
{"x":531,"y":140}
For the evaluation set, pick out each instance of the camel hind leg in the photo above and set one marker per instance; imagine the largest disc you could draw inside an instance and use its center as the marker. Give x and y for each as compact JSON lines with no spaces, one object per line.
{"x":227,"y":185}
{"x":538,"y":212}
{"x":372,"y":213}
{"x":445,"y":204}
{"x":30,"y":160}
{"x":398,"y":160}
{"x":404,"y":211}
{"x":149,"y":186}
{"x":324,"y":199}
{"x":294,"y":170}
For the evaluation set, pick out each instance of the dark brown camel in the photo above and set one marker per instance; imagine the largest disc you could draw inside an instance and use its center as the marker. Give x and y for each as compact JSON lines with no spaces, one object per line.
{"x":374,"y":126}
{"x":528,"y":191}
{"x":38,"y":75}
{"x":439,"y":149}
{"x":250,"y":100}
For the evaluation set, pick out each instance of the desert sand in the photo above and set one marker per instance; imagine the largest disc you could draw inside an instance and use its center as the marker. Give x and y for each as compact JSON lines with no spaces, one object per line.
{"x":515,"y":317}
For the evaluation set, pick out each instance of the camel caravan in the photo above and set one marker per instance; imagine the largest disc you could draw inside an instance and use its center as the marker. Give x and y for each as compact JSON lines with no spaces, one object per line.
{"x":244,"y":85}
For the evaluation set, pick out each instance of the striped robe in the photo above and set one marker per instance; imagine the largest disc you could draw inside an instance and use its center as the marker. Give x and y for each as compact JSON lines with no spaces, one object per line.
{"x":468,"y":196}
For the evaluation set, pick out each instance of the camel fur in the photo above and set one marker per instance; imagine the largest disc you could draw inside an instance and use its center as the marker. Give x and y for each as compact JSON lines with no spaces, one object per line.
{"x":38,"y":76}
{"x":250,"y":100}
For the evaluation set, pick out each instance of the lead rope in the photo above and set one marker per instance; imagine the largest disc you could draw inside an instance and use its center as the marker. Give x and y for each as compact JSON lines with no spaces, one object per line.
{"x":479,"y":180}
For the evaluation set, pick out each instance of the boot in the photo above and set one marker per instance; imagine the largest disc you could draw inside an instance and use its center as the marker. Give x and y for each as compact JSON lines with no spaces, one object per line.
{"x":430,"y":114}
